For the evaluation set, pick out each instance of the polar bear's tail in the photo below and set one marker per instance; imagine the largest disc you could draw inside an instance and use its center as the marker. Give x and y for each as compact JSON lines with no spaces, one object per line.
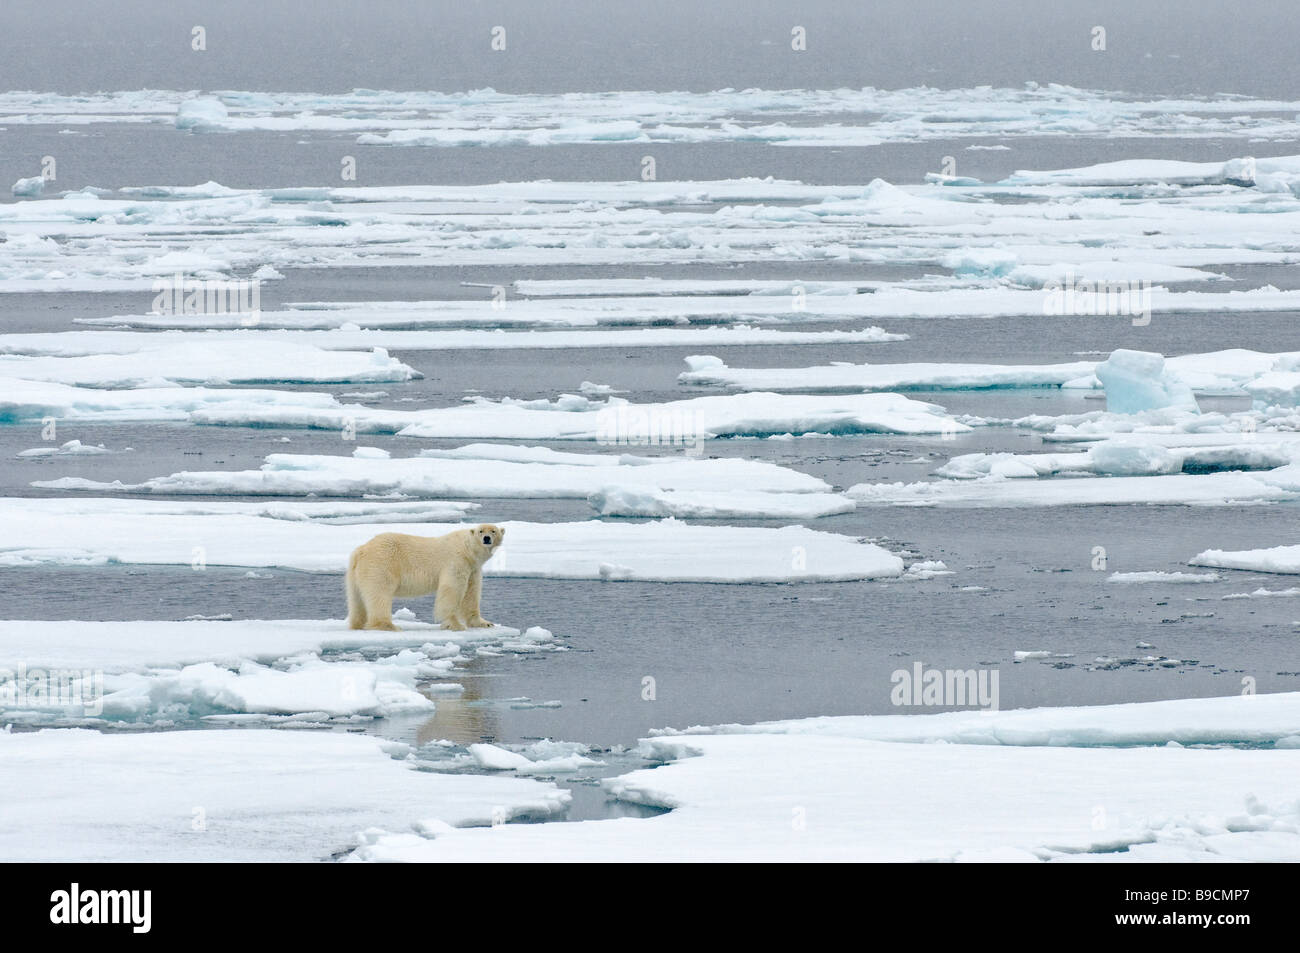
{"x":356,"y":605}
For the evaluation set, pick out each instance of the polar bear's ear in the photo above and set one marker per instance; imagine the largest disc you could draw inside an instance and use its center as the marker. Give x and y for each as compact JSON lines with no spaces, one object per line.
{"x":501,"y":533}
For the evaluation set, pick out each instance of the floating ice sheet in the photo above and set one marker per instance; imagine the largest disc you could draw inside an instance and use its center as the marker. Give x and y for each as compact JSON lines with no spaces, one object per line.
{"x":81,"y":531}
{"x":1234,"y":371}
{"x":1003,"y":253}
{"x":1208,"y":489}
{"x":1035,"y":785}
{"x":842,"y":116}
{"x":1278,"y":559}
{"x":206,"y":359}
{"x":617,"y":485}
{"x":250,"y":795}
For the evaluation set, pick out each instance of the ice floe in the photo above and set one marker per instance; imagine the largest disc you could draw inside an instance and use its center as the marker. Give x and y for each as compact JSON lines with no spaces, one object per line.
{"x":1134,"y":381}
{"x":1163,"y":577}
{"x":1058,"y":254}
{"x":841,"y":117}
{"x":717,"y":504}
{"x":1037,"y":784}
{"x":96,"y":342}
{"x":285,"y":671}
{"x":69,"y":448}
{"x":1134,"y":455}
{"x":208,"y":359}
{"x":614,"y":422}
{"x":1276,"y":559}
{"x":845,"y":377}
{"x":251,"y":795}
{"x":88,"y":531}
{"x":616,"y":484}
{"x":1138,"y":380}
{"x":1208,"y":489}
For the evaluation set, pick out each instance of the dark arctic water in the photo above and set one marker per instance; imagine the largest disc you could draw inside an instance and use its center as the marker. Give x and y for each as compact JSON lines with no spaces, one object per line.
{"x":721,"y":653}
{"x":1023,"y":578}
{"x":1196,"y":47}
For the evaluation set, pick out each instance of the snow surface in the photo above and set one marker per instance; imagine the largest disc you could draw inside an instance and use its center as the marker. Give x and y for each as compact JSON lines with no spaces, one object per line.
{"x":616,"y":485}
{"x":1163,"y":577}
{"x":265,"y":344}
{"x":88,"y":531}
{"x":1278,"y":559}
{"x":947,"y":299}
{"x":840,"y":117}
{"x":877,"y":377}
{"x":717,"y":504}
{"x":207,"y":359}
{"x":1137,"y":380}
{"x":441,"y":474}
{"x":612,"y":422}
{"x":286,"y":671}
{"x":69,"y":448}
{"x":1212,"y":489}
{"x":1000,"y":256}
{"x":250,"y":795}
{"x":1034,"y":785}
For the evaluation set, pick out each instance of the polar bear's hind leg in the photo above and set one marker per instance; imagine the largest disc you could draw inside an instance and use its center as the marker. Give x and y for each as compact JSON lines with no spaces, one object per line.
{"x":356,"y":605}
{"x":375,"y":587}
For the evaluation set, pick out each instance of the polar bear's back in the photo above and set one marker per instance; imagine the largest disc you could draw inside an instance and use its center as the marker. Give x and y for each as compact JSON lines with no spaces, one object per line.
{"x":412,"y":564}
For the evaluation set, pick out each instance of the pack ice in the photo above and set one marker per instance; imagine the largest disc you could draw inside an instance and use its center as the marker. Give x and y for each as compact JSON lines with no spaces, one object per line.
{"x":251,"y":795}
{"x":616,"y":484}
{"x":88,"y":531}
{"x":297,"y":672}
{"x":1136,"y":782}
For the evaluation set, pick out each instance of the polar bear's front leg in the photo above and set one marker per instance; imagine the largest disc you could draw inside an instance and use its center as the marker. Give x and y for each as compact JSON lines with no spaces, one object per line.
{"x":469,"y":606}
{"x":450,"y":597}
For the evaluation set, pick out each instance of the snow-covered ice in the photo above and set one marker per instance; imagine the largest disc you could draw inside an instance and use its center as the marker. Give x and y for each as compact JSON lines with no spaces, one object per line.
{"x":616,"y":484}
{"x":264,"y":345}
{"x":1277,"y":559}
{"x":845,"y":377}
{"x":1003,"y":256}
{"x":1138,"y":381}
{"x":1035,"y":784}
{"x":69,"y":448}
{"x":1207,"y":489}
{"x":717,"y":504}
{"x":613,"y":422}
{"x":89,"y":531}
{"x":442,"y":474}
{"x":1163,"y":577}
{"x":828,"y":117}
{"x":166,"y":673}
{"x":209,"y":360}
{"x":249,"y":795}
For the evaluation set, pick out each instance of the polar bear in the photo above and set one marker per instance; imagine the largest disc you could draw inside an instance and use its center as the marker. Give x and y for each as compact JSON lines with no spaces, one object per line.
{"x":396,"y":564}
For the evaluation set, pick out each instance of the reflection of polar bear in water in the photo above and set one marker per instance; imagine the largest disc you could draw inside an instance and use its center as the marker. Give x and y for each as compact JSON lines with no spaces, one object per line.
{"x":395,"y":564}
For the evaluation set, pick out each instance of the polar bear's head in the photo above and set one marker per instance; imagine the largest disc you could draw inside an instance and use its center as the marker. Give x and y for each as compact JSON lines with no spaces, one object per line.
{"x":487,"y":537}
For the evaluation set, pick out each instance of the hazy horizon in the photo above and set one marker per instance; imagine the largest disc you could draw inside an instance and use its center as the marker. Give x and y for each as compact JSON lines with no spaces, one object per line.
{"x":579,"y":45}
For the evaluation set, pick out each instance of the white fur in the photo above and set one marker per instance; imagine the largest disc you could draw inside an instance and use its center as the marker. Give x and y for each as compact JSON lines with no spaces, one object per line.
{"x":399,"y":565}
